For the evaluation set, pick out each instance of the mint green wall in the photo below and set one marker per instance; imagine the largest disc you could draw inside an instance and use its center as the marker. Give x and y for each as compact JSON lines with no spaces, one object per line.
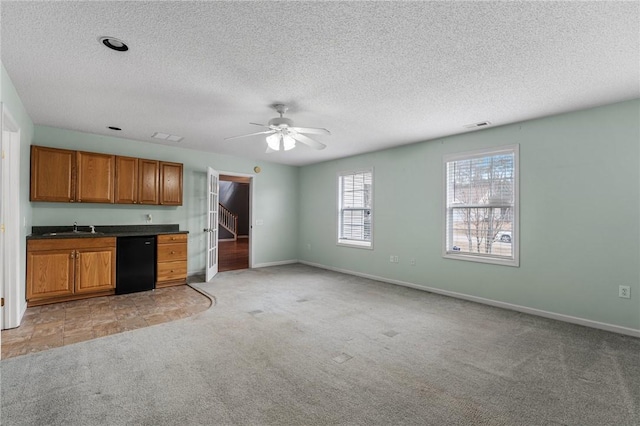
{"x":11,"y":100}
{"x":275,"y":196}
{"x":579,"y":217}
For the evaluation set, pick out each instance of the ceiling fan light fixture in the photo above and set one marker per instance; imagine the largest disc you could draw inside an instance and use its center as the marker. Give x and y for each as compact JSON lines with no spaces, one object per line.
{"x":284,"y":136}
{"x":273,"y":141}
{"x":288,"y":142}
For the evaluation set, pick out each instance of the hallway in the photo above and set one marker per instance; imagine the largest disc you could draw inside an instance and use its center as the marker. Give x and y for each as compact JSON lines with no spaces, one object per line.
{"x":233,"y":255}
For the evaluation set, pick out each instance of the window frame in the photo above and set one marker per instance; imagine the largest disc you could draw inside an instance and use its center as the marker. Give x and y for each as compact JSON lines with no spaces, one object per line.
{"x":368,"y":245}
{"x":514,"y":261}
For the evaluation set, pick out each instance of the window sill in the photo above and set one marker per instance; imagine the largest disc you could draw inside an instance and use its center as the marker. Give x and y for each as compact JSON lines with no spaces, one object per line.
{"x":480,"y":259}
{"x":356,"y":244}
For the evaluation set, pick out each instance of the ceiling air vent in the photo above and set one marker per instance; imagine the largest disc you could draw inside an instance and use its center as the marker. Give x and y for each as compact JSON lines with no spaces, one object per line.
{"x":167,"y":137}
{"x":476,"y":125}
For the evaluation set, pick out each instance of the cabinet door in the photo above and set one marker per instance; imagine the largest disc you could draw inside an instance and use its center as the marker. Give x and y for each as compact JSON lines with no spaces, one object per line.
{"x":50,"y":273}
{"x":126,"y":180}
{"x":95,"y":177}
{"x":52,"y":174}
{"x":170,"y":184}
{"x":148,"y":182}
{"x":95,"y":270}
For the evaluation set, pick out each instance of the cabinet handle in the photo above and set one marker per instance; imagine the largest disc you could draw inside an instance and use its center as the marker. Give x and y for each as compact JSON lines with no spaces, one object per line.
{"x":72,"y":255}
{"x":173,"y":252}
{"x":71,"y":201}
{"x":172,"y":271}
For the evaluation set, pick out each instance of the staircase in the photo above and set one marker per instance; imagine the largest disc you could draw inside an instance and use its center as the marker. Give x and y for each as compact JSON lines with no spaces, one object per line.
{"x":228,"y":220}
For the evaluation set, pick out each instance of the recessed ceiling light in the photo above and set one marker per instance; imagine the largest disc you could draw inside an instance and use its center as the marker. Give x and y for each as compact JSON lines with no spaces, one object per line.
{"x":114,"y":43}
{"x":114,"y":128}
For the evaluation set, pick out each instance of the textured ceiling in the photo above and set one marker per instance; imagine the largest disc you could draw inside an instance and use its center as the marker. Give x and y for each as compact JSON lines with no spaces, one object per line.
{"x":377,"y":74}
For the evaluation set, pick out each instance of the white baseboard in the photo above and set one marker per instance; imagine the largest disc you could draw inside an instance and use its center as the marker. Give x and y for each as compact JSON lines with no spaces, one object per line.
{"x":278,"y":263}
{"x":519,"y":308}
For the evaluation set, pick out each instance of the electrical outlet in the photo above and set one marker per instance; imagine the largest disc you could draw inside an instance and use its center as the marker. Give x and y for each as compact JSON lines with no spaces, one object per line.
{"x":391,"y":258}
{"x":412,"y":261}
{"x":624,"y":291}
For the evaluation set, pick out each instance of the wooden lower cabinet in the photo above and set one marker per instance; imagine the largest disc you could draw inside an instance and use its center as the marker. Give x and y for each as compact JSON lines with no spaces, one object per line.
{"x":69,"y":269}
{"x":172,"y":260}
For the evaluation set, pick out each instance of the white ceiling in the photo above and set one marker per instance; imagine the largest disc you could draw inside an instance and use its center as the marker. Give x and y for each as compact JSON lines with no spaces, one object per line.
{"x":377,"y":74}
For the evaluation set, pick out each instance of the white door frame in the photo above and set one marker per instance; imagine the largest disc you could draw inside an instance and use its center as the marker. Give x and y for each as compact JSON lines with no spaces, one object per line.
{"x":10,"y":284}
{"x":251,"y":192}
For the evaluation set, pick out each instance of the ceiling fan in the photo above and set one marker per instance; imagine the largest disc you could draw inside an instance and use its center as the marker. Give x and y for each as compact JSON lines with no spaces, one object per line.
{"x":283,"y":135}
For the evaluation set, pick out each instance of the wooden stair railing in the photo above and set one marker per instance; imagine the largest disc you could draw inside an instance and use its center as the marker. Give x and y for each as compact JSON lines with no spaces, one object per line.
{"x":228,"y":220}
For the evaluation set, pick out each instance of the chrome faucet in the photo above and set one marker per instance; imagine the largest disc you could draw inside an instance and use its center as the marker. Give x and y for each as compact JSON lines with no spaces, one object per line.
{"x":93,"y":229}
{"x":75,"y":226}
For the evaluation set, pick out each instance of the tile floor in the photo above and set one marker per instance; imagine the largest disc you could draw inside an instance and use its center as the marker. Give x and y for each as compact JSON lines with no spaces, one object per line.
{"x":50,"y":326}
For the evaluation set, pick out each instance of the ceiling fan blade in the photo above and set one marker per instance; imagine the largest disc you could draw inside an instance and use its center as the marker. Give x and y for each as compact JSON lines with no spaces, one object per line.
{"x":261,"y":125}
{"x":312,"y":130}
{"x":269,"y":150}
{"x":250,"y":134}
{"x":307,"y":141}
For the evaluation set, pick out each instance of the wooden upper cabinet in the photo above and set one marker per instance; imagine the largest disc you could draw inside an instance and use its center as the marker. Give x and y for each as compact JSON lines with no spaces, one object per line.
{"x":52,"y":174}
{"x":87,"y":177}
{"x":126,"y":185}
{"x":148,"y":188}
{"x":95,"y":177}
{"x":170,"y":184}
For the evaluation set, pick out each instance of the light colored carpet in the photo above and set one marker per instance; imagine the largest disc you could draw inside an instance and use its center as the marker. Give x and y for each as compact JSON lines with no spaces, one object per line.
{"x":295,"y":345}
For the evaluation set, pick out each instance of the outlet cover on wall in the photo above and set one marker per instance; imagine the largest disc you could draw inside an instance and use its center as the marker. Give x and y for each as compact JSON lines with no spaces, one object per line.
{"x":624,"y":291}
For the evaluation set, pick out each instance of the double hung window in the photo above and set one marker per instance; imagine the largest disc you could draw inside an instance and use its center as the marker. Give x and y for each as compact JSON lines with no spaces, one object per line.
{"x":355,"y":207}
{"x":481,"y":206}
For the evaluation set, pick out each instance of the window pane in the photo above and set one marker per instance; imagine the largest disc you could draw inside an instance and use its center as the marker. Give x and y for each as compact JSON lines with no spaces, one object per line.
{"x":480,"y":204}
{"x":355,"y":206}
{"x":480,"y":231}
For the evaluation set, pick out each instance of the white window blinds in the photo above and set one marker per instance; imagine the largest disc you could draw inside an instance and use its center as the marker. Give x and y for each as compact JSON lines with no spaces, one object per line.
{"x":355,"y":208}
{"x":482,"y":206}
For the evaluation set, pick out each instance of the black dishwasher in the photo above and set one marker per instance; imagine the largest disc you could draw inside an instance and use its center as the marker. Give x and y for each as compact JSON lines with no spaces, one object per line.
{"x":135,"y":264}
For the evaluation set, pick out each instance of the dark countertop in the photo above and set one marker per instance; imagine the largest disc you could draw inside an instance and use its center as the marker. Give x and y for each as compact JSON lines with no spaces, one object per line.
{"x":46,"y":232}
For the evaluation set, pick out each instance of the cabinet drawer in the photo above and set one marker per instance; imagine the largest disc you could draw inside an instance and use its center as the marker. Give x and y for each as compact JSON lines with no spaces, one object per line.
{"x":171,"y":271}
{"x":172,"y":238}
{"x":172,"y":252}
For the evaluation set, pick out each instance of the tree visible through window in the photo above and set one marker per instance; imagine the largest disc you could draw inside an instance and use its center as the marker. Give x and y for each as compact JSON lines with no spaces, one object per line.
{"x":481,"y":205}
{"x":355,"y":208}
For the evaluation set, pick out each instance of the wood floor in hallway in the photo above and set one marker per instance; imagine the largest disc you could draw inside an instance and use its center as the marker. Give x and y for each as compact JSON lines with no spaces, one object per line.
{"x":233,"y":255}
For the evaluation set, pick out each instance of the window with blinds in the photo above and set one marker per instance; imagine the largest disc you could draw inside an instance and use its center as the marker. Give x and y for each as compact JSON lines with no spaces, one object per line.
{"x":355,"y":195}
{"x":481,"y":212}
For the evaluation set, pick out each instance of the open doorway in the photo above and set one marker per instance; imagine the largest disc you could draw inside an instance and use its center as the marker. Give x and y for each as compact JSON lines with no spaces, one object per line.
{"x":234,"y":222}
